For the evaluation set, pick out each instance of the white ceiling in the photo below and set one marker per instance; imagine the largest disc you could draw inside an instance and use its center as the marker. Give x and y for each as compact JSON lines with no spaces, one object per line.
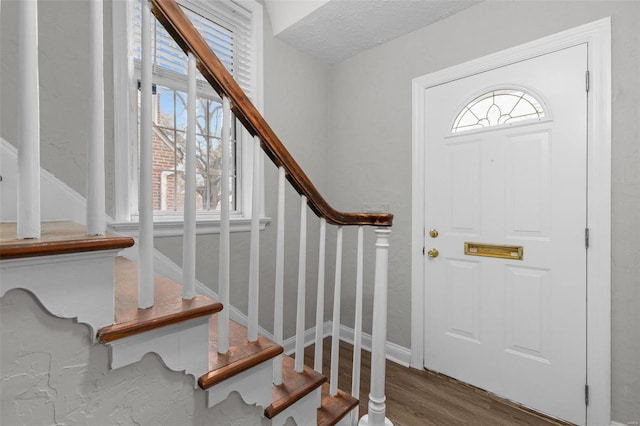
{"x":340,"y":29}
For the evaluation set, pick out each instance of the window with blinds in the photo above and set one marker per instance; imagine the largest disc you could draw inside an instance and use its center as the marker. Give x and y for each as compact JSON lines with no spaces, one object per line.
{"x":225,"y":25}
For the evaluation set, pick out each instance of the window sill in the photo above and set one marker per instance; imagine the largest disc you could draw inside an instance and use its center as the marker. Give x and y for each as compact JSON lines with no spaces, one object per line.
{"x":174,"y":228}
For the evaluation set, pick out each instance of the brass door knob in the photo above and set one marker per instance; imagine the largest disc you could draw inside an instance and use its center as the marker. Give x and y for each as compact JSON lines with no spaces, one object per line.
{"x":433,"y":252}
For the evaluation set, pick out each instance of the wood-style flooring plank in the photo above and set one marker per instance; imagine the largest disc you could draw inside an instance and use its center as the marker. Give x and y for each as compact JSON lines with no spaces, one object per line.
{"x":419,"y":397}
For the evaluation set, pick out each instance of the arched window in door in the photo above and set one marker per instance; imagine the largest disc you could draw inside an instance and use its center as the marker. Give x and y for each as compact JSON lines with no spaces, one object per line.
{"x":497,"y":107}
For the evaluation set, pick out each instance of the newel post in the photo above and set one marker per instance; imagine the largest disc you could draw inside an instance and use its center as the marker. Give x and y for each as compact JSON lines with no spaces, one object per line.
{"x":377,"y":406}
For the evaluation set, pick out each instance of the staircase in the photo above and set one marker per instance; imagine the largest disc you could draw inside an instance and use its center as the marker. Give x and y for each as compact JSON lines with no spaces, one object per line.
{"x":134,"y":311}
{"x":173,"y":325}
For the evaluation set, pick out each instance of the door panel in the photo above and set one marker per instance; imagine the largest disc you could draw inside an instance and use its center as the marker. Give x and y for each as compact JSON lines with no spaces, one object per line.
{"x":528,"y":185}
{"x":464,"y":180}
{"x":528,"y":313}
{"x":463,"y":306}
{"x":513,"y":327}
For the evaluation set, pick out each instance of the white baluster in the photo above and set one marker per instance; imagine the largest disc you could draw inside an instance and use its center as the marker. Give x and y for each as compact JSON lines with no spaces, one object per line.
{"x":189,"y":237}
{"x":377,"y":406}
{"x":302,"y":268}
{"x":357,"y":333}
{"x":278,"y":306}
{"x":254,"y":258}
{"x":223,"y":267}
{"x":95,"y":141}
{"x":335,"y":338}
{"x":317,"y":364}
{"x":28,"y":122}
{"x":145,"y":192}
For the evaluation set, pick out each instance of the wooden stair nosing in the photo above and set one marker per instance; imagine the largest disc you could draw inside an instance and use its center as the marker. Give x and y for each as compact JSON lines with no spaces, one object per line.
{"x":56,"y":237}
{"x":334,"y":408}
{"x":294,"y":387}
{"x":169,"y":306}
{"x":161,"y":315}
{"x":241,"y":355}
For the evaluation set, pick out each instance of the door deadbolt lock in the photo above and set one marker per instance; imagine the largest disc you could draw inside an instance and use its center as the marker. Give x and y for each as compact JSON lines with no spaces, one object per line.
{"x":433,"y":252}
{"x":433,"y":233}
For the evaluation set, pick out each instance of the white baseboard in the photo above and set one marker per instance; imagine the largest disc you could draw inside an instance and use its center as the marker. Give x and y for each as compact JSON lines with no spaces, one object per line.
{"x":623,"y":424}
{"x":58,"y":200}
{"x":395,"y":353}
{"x":165,"y":266}
{"x":309,"y":338}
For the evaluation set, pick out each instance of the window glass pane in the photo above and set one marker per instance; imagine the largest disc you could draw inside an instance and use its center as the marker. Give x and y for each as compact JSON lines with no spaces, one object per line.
{"x":181,"y":143}
{"x":201,"y":114}
{"x":164,"y":135}
{"x":497,"y":107}
{"x":165,"y":107}
{"x":169,"y":145}
{"x":175,"y":189}
{"x":181,"y":110}
{"x":215,"y":118}
{"x":227,"y":34}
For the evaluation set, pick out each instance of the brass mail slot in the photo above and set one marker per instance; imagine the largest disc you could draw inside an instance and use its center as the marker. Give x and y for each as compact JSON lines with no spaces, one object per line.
{"x":493,"y":250}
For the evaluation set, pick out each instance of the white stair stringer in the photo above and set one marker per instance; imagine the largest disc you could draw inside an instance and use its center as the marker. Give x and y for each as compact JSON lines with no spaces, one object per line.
{"x":181,"y":347}
{"x":78,"y":285}
{"x":254,"y":386}
{"x":302,"y":410}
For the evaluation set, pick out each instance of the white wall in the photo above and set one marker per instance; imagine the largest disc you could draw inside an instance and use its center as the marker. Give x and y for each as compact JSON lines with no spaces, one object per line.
{"x":370,"y":146}
{"x":64,"y":73}
{"x":53,"y":374}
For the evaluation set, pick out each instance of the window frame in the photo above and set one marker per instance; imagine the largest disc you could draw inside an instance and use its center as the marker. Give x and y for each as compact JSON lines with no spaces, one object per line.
{"x":125,"y":81}
{"x":548,"y":113}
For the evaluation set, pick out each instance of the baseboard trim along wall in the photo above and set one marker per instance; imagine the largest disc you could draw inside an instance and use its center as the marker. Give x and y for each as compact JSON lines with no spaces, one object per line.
{"x":395,"y":353}
{"x":165,"y":266}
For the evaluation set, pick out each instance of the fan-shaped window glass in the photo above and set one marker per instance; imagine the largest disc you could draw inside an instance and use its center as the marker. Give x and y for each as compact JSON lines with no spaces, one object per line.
{"x":497,"y":107}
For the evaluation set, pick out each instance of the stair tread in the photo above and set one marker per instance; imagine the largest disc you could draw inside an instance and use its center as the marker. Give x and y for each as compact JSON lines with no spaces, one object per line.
{"x":294,"y":386}
{"x":169,"y":306}
{"x":56,"y":237}
{"x":334,"y":408}
{"x":242,"y":354}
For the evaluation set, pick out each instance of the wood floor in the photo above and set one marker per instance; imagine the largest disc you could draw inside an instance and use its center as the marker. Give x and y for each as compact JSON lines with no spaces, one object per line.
{"x":416,"y":397}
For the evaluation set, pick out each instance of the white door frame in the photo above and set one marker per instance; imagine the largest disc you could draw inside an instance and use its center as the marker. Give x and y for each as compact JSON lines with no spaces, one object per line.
{"x":598,"y":36}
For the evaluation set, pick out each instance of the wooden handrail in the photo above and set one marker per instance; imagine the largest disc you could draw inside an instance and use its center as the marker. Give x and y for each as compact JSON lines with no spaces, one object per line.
{"x":189,"y":39}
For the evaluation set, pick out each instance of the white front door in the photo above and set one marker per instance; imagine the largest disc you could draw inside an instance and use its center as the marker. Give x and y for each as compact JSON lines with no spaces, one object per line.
{"x":515,"y":327}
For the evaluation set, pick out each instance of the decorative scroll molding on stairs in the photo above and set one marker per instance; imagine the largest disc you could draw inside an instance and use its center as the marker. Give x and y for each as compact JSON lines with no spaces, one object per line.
{"x":63,"y":258}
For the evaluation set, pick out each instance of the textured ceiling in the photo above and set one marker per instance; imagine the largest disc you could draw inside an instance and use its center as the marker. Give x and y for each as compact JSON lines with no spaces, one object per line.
{"x":342,"y":28}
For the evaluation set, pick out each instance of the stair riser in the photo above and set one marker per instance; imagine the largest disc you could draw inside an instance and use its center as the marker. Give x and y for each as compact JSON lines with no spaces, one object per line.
{"x":303,"y":410}
{"x":79,"y":285}
{"x":182,"y":347}
{"x":253,"y":385}
{"x":348,"y":419}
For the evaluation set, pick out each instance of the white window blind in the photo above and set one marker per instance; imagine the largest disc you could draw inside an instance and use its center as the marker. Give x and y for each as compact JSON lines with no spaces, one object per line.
{"x":225,"y":25}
